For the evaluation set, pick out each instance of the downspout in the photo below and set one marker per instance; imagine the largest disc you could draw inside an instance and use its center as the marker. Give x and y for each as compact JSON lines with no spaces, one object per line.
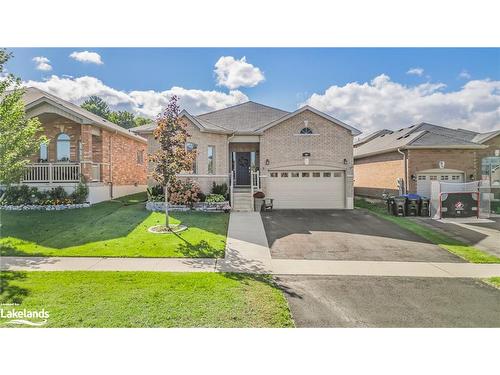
{"x":405,"y":178}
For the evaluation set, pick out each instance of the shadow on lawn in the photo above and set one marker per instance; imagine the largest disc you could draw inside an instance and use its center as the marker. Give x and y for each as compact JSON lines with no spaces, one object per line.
{"x":12,"y":293}
{"x":200,"y":250}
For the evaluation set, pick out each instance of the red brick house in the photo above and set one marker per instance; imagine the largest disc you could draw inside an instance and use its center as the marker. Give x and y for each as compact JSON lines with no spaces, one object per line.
{"x":83,"y":147}
{"x":421,"y":153}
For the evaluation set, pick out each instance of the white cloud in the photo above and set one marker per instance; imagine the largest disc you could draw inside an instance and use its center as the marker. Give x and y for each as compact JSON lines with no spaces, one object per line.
{"x":42,"y":63}
{"x":464,"y":74}
{"x":145,"y":103}
{"x":383,"y":103}
{"x":87,"y":57}
{"x":234,"y":73}
{"x":416,"y":71}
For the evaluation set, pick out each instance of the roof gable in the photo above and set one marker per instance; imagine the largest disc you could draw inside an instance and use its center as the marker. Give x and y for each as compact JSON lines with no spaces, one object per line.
{"x":353,"y":131}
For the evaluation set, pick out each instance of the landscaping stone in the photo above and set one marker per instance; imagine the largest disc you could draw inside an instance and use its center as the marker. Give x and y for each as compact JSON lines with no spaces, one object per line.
{"x":199,"y":206}
{"x":39,"y":207}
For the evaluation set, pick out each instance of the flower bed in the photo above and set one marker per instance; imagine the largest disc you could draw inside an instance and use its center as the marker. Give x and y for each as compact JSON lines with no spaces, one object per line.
{"x":45,"y":207}
{"x":199,"y":206}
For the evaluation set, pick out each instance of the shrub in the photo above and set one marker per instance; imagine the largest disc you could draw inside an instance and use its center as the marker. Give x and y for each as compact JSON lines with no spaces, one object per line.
{"x":212,"y":198}
{"x":57,"y":193}
{"x":184,"y":192}
{"x":221,"y":189}
{"x":202,"y":197}
{"x":20,"y":195}
{"x":80,"y":194}
{"x":155,"y":193}
{"x":259,"y":194}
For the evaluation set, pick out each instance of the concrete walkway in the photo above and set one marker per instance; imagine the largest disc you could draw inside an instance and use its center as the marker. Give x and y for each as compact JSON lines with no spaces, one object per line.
{"x":247,"y":251}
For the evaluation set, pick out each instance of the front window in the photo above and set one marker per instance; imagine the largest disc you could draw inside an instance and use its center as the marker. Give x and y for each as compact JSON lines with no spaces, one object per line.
{"x":63,"y":147}
{"x":211,"y":160}
{"x":192,"y":147}
{"x":140,"y":157}
{"x":44,"y":153}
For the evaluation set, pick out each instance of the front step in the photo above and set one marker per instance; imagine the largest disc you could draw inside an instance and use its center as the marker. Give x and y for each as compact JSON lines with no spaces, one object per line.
{"x":242,"y":201}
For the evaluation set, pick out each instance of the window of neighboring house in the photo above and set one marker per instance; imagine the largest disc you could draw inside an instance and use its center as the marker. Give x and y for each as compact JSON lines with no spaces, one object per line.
{"x":294,"y":174}
{"x":433,"y":178}
{"x":327,"y":174}
{"x":305,"y":174}
{"x":193,"y":147}
{"x":44,"y":153}
{"x":306,"y":131}
{"x":316,"y":174}
{"x":444,"y":178}
{"x":211,"y":160}
{"x":63,"y":147}
{"x":284,"y":174}
{"x":422,"y":178}
{"x":140,"y":157}
{"x":455,"y":178}
{"x":274,"y":174}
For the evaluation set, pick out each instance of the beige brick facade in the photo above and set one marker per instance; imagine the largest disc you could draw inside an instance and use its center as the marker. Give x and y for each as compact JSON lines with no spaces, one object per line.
{"x":283,"y":147}
{"x":375,"y":175}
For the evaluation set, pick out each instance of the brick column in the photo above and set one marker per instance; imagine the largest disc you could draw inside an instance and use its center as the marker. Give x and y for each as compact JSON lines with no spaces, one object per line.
{"x":86,"y":137}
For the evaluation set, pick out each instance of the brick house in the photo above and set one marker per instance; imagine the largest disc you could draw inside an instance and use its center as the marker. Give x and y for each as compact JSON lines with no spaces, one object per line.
{"x":421,"y":153}
{"x":301,"y":159}
{"x":83,"y":147}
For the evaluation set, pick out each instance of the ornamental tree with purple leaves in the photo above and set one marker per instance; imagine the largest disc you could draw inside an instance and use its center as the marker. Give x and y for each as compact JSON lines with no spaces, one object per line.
{"x":172,"y":157}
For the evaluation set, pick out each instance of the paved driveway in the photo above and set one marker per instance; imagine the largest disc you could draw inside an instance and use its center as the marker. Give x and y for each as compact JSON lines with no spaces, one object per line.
{"x":367,"y":301}
{"x":345,"y":235}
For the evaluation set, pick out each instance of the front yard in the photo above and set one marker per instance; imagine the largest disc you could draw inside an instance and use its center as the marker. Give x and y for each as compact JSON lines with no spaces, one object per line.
{"x":146,"y":299}
{"x":111,"y":229}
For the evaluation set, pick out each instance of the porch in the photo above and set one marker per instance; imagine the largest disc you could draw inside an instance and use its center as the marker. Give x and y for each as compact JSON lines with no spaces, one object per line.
{"x":61,"y":172}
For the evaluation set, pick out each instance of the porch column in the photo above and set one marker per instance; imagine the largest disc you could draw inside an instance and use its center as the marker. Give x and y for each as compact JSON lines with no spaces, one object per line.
{"x":86,"y":162}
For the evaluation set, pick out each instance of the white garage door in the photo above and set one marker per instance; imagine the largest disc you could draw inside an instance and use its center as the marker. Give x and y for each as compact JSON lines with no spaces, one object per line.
{"x":306,"y":189}
{"x":424,"y":181}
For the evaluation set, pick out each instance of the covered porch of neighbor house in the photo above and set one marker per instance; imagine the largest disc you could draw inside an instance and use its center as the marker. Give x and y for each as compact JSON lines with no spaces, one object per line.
{"x":74,"y":152}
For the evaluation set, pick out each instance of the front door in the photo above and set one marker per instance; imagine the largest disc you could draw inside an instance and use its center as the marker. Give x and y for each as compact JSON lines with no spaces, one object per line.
{"x":242,"y":168}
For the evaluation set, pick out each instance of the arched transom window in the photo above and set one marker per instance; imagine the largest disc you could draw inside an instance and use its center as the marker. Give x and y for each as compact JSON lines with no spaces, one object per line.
{"x":63,"y":147}
{"x":306,"y":131}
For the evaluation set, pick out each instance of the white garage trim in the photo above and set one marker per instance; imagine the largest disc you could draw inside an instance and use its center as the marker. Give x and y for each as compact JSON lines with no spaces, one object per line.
{"x":424,"y":179}
{"x":307,"y":189}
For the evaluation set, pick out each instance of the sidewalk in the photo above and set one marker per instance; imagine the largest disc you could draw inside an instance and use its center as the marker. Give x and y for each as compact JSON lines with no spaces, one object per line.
{"x":247,"y":251}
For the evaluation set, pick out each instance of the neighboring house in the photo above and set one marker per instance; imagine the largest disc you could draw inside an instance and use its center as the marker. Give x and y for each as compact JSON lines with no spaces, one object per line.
{"x":422,"y":153}
{"x":301,"y":159}
{"x":83,"y":147}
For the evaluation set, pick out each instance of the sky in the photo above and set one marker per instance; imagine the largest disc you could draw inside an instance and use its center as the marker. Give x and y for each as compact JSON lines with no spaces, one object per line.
{"x":368,"y":88}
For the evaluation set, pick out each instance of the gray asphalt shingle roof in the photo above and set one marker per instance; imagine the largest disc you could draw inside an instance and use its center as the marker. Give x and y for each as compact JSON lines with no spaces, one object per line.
{"x":419,"y":135}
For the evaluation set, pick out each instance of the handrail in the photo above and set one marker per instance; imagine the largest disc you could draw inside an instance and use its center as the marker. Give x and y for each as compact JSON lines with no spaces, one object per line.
{"x":52,"y":172}
{"x":231,"y":185}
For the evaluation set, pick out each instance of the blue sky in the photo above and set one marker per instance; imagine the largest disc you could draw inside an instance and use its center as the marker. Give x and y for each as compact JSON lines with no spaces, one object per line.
{"x":286,"y":78}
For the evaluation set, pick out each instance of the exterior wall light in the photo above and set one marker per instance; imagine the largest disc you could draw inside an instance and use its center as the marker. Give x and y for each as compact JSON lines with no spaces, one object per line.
{"x":345,"y":161}
{"x":267,"y":162}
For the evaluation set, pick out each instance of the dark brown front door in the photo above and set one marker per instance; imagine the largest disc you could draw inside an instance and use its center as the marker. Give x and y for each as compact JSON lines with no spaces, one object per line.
{"x":242,"y":168}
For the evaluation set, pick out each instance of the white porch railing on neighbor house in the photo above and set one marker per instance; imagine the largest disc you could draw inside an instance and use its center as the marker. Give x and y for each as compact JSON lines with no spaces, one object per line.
{"x":52,"y":172}
{"x":254,"y":185}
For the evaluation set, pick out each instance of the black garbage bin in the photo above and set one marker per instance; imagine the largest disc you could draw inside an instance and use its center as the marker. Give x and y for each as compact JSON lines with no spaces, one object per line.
{"x":412,"y":206}
{"x":400,"y":204}
{"x":424,"y":207}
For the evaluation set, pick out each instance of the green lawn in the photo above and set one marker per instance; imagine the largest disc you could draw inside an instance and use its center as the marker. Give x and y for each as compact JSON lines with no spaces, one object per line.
{"x":458,"y":248}
{"x":147,"y":299}
{"x":495,"y":281}
{"x":113,"y":229}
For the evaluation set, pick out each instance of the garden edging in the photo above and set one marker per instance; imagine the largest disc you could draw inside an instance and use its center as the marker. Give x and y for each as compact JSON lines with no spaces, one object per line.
{"x":199,"y":206}
{"x":47,"y":207}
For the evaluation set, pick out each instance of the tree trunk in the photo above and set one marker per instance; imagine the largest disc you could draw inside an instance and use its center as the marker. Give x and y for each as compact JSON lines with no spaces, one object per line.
{"x":166,"y":207}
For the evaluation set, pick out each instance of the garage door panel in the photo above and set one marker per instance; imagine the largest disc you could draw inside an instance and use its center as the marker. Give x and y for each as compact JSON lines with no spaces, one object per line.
{"x":307,"y":192}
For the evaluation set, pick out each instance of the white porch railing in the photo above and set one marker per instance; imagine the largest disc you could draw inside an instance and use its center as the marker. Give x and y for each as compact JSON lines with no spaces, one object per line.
{"x":231,"y":187}
{"x":52,"y":172}
{"x":254,"y":185}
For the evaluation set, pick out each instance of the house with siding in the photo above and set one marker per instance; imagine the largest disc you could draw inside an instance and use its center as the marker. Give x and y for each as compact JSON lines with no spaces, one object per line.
{"x":300,"y":159}
{"x":83,"y":147}
{"x":421,"y":153}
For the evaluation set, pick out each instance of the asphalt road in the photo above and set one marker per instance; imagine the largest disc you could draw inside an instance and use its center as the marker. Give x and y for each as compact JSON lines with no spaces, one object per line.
{"x":366,"y":301}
